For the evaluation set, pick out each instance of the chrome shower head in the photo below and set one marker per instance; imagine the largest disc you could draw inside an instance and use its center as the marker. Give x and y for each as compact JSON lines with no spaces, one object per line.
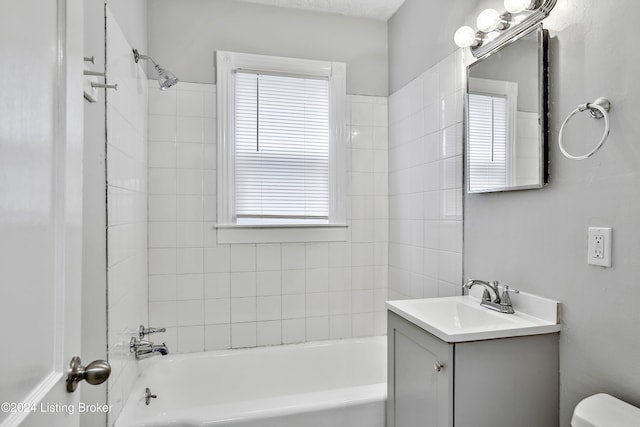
{"x":166,"y":78}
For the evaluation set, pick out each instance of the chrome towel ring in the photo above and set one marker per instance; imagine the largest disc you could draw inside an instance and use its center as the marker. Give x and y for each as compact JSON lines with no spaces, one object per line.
{"x":598,"y":109}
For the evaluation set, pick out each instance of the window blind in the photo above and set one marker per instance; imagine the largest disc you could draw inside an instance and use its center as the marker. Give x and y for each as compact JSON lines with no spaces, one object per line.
{"x":487,"y":142}
{"x":281,"y":149}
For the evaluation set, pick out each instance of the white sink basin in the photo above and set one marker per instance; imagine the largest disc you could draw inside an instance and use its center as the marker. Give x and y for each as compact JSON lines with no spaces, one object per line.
{"x":458,"y":319}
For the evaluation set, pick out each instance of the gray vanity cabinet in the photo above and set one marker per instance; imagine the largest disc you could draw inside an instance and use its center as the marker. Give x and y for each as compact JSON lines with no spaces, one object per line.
{"x":504,"y":382}
{"x":420,"y":387}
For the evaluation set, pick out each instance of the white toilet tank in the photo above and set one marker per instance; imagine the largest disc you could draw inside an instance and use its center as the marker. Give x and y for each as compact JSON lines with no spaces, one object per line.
{"x":603,"y":410}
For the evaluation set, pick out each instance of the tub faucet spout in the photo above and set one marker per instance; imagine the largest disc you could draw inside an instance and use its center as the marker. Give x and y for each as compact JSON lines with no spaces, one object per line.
{"x":162,"y":349}
{"x":153,"y":350}
{"x":144,"y":349}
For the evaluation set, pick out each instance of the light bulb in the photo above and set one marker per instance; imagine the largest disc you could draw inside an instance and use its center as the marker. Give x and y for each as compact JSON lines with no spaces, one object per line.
{"x":517,"y":6}
{"x":465,"y":37}
{"x":488,"y":20}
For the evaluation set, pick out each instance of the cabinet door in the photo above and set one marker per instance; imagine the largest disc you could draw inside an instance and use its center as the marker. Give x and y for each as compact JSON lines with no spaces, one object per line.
{"x":420,"y":377}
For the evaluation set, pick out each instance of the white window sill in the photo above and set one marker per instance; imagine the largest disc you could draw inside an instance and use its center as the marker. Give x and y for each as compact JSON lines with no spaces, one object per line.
{"x":267,"y":233}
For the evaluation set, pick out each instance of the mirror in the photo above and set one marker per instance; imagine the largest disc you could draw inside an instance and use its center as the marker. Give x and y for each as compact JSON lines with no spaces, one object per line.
{"x":506,"y":107}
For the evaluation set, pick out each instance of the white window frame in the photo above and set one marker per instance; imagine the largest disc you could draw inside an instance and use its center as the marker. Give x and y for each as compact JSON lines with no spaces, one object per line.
{"x":508,"y":90}
{"x":228,"y":231}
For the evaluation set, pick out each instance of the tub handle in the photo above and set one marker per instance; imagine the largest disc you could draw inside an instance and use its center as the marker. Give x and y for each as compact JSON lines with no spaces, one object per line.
{"x":148,"y":396}
{"x":142,"y":331}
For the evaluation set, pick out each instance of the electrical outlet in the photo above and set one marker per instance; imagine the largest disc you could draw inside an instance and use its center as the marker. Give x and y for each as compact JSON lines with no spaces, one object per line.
{"x":599,"y":246}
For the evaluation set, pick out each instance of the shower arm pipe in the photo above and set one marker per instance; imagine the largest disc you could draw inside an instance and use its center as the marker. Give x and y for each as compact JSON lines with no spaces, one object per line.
{"x":138,"y":56}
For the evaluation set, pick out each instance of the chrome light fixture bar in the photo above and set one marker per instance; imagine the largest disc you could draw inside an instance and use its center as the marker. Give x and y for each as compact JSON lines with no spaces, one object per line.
{"x":495,"y":29}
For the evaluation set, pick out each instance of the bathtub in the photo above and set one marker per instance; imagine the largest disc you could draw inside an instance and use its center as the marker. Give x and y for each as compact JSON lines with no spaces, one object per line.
{"x":328,"y":383}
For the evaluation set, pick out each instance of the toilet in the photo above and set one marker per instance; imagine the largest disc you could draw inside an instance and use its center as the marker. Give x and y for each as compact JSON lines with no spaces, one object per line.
{"x":603,"y":410}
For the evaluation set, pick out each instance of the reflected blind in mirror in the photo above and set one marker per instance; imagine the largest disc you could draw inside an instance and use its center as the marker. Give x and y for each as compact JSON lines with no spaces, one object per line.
{"x":487,"y":142}
{"x":281,"y":149}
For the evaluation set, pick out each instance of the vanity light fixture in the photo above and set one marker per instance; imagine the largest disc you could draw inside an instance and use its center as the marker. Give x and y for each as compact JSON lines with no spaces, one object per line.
{"x":490,"y":20}
{"x":517,"y":6}
{"x":495,"y":29}
{"x":466,"y":37}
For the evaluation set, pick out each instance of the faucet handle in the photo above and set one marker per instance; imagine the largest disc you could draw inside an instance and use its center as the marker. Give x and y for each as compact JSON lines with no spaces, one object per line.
{"x":504,"y":298}
{"x":148,"y":396}
{"x":142,"y":331}
{"x":133,"y":344}
{"x":507,"y":288}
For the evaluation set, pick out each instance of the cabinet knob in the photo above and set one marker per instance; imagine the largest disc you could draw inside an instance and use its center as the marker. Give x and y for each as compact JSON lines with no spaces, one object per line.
{"x":438,"y":366}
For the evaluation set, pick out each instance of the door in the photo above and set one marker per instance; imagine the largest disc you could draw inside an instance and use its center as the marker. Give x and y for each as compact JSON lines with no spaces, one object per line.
{"x":40,"y":209}
{"x":420,"y":383}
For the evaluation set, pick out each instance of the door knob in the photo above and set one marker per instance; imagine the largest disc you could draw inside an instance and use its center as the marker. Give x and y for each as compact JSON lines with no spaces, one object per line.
{"x":94,"y":373}
{"x":437,"y":366}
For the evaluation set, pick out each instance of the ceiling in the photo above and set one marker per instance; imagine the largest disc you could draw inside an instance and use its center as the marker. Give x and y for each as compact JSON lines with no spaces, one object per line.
{"x":374,"y":9}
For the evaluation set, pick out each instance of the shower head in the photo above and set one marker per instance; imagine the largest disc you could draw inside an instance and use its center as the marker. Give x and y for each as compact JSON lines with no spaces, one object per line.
{"x":166,"y":78}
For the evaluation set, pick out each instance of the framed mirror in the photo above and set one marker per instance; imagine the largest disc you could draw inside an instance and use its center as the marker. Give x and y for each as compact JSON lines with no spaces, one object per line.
{"x":507,"y":116}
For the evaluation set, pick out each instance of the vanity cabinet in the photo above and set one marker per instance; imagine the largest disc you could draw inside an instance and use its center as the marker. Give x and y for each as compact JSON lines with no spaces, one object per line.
{"x":505,"y":382}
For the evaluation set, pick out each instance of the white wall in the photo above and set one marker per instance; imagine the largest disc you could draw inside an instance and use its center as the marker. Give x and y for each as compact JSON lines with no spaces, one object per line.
{"x":212,"y":296}
{"x":132,"y":18}
{"x":425,"y":183}
{"x":537,"y":240}
{"x":94,"y":221}
{"x":127,"y":212}
{"x":421,"y":35}
{"x":183,"y":36}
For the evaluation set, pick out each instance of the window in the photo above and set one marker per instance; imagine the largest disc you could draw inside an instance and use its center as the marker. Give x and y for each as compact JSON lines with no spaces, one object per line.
{"x":281,"y":144}
{"x":281,"y":149}
{"x":491,"y":134}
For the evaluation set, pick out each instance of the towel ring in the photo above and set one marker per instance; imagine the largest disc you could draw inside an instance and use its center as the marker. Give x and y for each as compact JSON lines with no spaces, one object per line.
{"x":598,"y":109}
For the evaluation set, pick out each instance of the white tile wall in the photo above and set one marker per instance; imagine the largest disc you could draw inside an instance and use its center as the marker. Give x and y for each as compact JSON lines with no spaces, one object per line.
{"x":127,"y":212}
{"x":213,"y":296}
{"x":425,"y":184}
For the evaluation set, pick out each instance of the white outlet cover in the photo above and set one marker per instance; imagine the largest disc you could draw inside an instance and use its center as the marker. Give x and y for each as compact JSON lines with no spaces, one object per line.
{"x":599,"y":246}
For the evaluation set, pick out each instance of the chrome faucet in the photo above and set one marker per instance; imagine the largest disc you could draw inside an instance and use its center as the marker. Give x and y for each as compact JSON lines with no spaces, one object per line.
{"x":501,"y":303}
{"x":144,"y":349}
{"x":493,"y":286}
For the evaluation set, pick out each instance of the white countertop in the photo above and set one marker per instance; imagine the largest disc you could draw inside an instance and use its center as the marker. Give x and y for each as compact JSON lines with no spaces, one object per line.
{"x":461,"y":318}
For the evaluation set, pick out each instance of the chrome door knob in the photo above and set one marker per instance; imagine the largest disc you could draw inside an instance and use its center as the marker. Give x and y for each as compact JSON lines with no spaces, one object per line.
{"x":438,"y":366}
{"x":94,"y":373}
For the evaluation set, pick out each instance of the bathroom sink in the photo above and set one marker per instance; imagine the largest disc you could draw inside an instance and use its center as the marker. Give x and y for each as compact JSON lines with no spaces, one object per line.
{"x":461,"y":318}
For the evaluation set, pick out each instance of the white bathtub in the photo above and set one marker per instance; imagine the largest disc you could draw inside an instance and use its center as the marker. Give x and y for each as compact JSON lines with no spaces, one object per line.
{"x":329,"y":383}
